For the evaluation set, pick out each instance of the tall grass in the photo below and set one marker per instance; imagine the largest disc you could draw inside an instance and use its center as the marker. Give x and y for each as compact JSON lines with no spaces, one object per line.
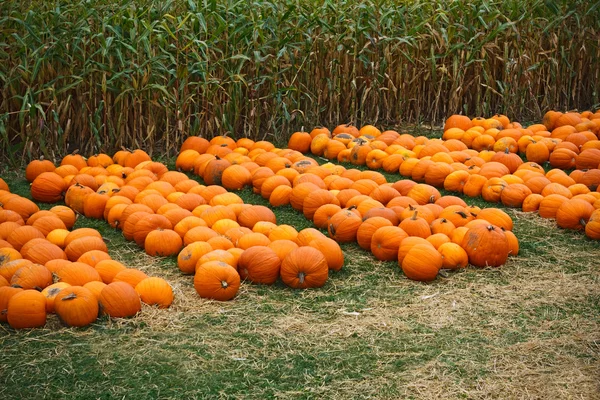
{"x":98,"y":75}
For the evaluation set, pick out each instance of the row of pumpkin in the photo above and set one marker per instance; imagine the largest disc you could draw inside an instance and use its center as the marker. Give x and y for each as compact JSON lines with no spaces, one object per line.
{"x":39,"y":247}
{"x":497,"y":175}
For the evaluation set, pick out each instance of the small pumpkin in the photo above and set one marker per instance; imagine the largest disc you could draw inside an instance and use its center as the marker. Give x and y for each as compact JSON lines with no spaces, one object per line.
{"x":259,"y":264}
{"x":422,"y":263}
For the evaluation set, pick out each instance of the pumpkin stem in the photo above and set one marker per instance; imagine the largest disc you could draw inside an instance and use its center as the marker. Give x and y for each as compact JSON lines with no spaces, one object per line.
{"x":352,"y":208}
{"x":414,"y":217}
{"x":432,"y":199}
{"x":332,"y":229}
{"x":71,"y":296}
{"x":462,"y":214}
{"x":490,"y":228}
{"x":506,"y":151}
{"x":301,"y":277}
{"x":224,"y":284}
{"x":582,"y":222}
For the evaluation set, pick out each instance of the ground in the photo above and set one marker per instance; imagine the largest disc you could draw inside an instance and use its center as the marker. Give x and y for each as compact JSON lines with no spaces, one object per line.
{"x":528,"y":330}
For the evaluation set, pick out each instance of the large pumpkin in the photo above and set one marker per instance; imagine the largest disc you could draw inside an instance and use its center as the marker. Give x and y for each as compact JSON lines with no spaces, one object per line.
{"x":217,"y":280}
{"x":304,"y":267}
{"x":76,"y":306}
{"x":422,"y":263}
{"x":27,"y":309}
{"x":119,"y":300}
{"x":486,"y":245}
{"x":259,"y":264}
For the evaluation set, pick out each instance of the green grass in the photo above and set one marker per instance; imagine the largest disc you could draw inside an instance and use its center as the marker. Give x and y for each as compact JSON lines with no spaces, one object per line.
{"x":525,"y":330}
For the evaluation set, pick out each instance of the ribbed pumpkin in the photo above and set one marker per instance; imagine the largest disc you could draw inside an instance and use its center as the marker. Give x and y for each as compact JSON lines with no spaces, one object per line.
{"x":254,"y":214}
{"x":217,"y":280}
{"x":332,"y":252}
{"x":78,"y":274}
{"x":131,"y":276}
{"x":75,"y":197}
{"x":48,"y":187}
{"x":163,"y":242}
{"x":120,"y":300}
{"x":453,"y":256}
{"x":343,"y":226}
{"x":6,"y":292}
{"x":592,"y":228}
{"x":108,"y":269}
{"x":37,"y":167}
{"x":22,"y":235}
{"x":189,"y":256}
{"x":66,"y":214}
{"x":78,"y":247}
{"x":259,"y":264}
{"x":93,"y":257}
{"x":33,"y":276}
{"x":486,"y":245}
{"x":26,"y":309}
{"x":385,"y":242}
{"x":422,"y":263}
{"x":305,"y":267}
{"x":155,"y":291}
{"x":76,"y":306}
{"x":574,"y":214}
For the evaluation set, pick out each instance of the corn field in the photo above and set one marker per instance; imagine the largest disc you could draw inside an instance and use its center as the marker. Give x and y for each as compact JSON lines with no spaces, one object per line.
{"x":106,"y":74}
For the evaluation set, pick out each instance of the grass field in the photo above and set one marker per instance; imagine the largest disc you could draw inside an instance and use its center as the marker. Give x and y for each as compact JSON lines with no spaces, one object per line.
{"x":527,"y":330}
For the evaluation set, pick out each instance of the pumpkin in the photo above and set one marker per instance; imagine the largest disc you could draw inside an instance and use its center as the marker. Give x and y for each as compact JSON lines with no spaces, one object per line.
{"x":147,"y":224}
{"x":95,"y":287}
{"x":120,"y":300}
{"x":323,"y":214}
{"x":22,"y":235}
{"x":77,"y":274}
{"x":32,"y":276}
{"x":37,"y":167}
{"x":592,"y":228}
{"x":574,"y":214}
{"x":496,"y":217}
{"x":259,"y":264}
{"x":385,"y":242}
{"x":189,"y":256}
{"x":316,"y":199}
{"x":75,"y":197}
{"x":66,"y":214}
{"x":76,"y":306}
{"x":47,"y":224}
{"x":162,"y":242}
{"x":22,"y":206}
{"x":422,"y":263}
{"x":93,"y":257}
{"x":26,"y":309}
{"x":155,"y":291}
{"x":217,"y":280}
{"x":131,"y":276}
{"x":108,"y":269}
{"x":50,"y":293}
{"x":80,"y":246}
{"x":6,"y":292}
{"x":8,"y":254}
{"x":304,"y":267}
{"x":453,"y":256}
{"x":48,"y":187}
{"x":416,"y":226}
{"x":486,"y":245}
{"x":43,"y":252}
{"x":343,"y":226}
{"x":332,"y":252}
{"x":254,"y":214}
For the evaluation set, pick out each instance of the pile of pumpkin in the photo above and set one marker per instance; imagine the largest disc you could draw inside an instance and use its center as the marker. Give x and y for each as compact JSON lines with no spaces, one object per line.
{"x":388,"y":219}
{"x":460,"y":163}
{"x":225,"y":240}
{"x":38,"y":247}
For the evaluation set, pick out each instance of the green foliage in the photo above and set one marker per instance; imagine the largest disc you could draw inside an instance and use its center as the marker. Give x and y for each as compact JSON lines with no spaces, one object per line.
{"x":104,"y":74}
